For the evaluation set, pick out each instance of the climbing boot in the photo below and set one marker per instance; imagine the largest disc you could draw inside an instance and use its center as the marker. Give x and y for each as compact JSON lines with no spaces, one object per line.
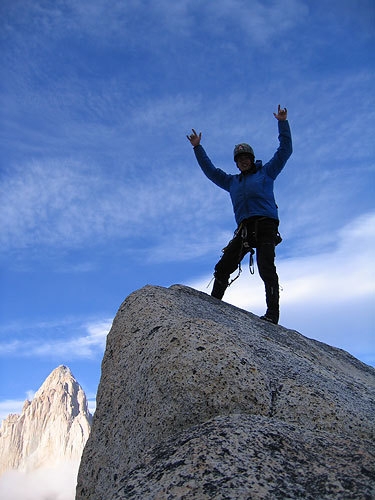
{"x":271,"y":317}
{"x":272,"y":300}
{"x":218,"y":289}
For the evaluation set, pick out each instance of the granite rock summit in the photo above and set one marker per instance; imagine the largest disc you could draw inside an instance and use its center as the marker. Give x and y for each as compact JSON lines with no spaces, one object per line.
{"x":201,"y":400}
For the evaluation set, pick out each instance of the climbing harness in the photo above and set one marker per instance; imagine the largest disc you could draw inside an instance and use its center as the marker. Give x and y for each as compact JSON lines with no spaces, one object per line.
{"x":242,"y":231}
{"x":248,"y":241}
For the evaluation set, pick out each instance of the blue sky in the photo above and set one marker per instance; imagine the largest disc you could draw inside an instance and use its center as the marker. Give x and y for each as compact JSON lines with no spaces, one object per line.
{"x":100,"y":193}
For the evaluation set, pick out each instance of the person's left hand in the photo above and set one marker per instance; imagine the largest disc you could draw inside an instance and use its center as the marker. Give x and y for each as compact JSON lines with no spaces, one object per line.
{"x":282,"y":114}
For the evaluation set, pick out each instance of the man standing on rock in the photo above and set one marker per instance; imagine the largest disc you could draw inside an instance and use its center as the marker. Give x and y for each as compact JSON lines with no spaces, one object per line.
{"x":255,"y":211}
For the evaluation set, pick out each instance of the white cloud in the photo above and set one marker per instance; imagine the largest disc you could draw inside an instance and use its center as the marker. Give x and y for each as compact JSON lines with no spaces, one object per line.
{"x":164,"y":111}
{"x":346,"y":272}
{"x":192,"y":244}
{"x":14,"y":406}
{"x":85,"y":345}
{"x":91,"y":402}
{"x":10,"y":406}
{"x":57,"y":483}
{"x":258,"y":21}
{"x":30,"y":394}
{"x":66,"y":204}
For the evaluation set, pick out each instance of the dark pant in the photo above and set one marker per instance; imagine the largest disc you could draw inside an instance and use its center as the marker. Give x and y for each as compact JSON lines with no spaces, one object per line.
{"x":260,"y":233}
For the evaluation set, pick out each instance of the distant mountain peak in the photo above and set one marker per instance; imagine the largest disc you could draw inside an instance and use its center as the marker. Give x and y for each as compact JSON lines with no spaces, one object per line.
{"x":51,"y":428}
{"x":59,"y":375}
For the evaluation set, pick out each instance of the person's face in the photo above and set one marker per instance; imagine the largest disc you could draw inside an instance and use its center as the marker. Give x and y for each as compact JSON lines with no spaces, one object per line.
{"x":244,"y":162}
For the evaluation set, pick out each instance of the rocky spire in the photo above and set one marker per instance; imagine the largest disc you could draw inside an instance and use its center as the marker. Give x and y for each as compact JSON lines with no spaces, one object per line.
{"x":52,"y":428}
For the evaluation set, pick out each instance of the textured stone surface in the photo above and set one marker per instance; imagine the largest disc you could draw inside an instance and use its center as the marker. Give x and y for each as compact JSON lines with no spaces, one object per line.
{"x":52,"y":428}
{"x":185,"y":369}
{"x":245,"y":456}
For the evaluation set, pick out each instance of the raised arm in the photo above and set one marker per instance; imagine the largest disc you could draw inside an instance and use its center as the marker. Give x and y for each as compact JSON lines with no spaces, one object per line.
{"x":277,"y":163}
{"x":216,"y":175}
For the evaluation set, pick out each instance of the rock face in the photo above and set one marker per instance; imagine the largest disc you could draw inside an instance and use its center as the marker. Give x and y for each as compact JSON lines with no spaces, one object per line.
{"x":52,"y":428}
{"x":199,"y":400}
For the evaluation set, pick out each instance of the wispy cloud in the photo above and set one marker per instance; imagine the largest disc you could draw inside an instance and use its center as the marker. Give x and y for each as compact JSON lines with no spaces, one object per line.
{"x":91,"y":402}
{"x":11,"y":406}
{"x":258,"y":21}
{"x":98,"y":22}
{"x":14,"y":406}
{"x":55,"y":340}
{"x":67,"y":204}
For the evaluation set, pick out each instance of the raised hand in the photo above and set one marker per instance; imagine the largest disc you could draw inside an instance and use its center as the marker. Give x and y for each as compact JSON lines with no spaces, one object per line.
{"x":194,"y":138}
{"x":282,"y":114}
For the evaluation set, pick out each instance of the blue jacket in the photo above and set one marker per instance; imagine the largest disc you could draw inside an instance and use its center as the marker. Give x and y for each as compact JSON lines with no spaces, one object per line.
{"x":251,"y":194}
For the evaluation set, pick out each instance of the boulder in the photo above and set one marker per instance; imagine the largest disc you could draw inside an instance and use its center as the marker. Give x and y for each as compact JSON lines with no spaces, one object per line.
{"x":199,"y":399}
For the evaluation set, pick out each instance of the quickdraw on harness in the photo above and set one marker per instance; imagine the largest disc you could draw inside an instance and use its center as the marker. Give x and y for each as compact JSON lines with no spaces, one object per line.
{"x":242,"y":231}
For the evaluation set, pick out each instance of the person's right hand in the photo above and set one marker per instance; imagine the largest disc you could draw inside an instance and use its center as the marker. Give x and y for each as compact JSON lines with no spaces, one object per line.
{"x":194,"y":138}
{"x":281,"y":115}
